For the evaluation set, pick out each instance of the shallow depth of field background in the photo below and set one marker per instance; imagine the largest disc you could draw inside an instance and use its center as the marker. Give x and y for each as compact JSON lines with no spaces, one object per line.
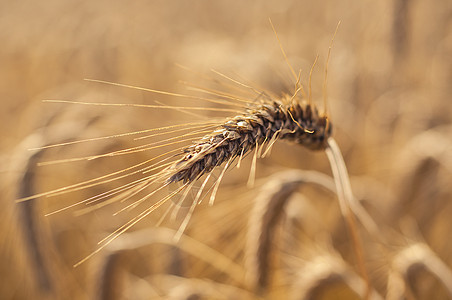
{"x":389,"y":99}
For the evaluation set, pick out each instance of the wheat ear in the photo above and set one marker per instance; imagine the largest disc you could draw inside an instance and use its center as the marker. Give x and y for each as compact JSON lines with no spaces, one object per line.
{"x":408,"y":261}
{"x":34,"y":234}
{"x":260,"y":125}
{"x":265,"y":217}
{"x":328,"y":269}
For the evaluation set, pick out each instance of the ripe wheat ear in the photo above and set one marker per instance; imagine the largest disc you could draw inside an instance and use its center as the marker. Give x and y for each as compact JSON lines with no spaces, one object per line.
{"x":258,"y":126}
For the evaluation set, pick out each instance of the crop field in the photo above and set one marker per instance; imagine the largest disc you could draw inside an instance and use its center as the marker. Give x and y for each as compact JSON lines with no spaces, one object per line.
{"x":187,"y":149}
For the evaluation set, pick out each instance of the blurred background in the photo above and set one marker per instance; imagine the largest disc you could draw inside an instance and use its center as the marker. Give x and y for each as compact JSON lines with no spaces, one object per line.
{"x":389,"y":100}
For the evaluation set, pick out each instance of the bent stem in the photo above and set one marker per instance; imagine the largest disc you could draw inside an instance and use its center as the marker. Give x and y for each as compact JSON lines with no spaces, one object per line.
{"x":346,"y":200}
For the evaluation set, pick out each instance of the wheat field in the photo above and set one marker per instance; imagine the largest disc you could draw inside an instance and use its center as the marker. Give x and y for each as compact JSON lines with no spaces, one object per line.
{"x":389,"y":87}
